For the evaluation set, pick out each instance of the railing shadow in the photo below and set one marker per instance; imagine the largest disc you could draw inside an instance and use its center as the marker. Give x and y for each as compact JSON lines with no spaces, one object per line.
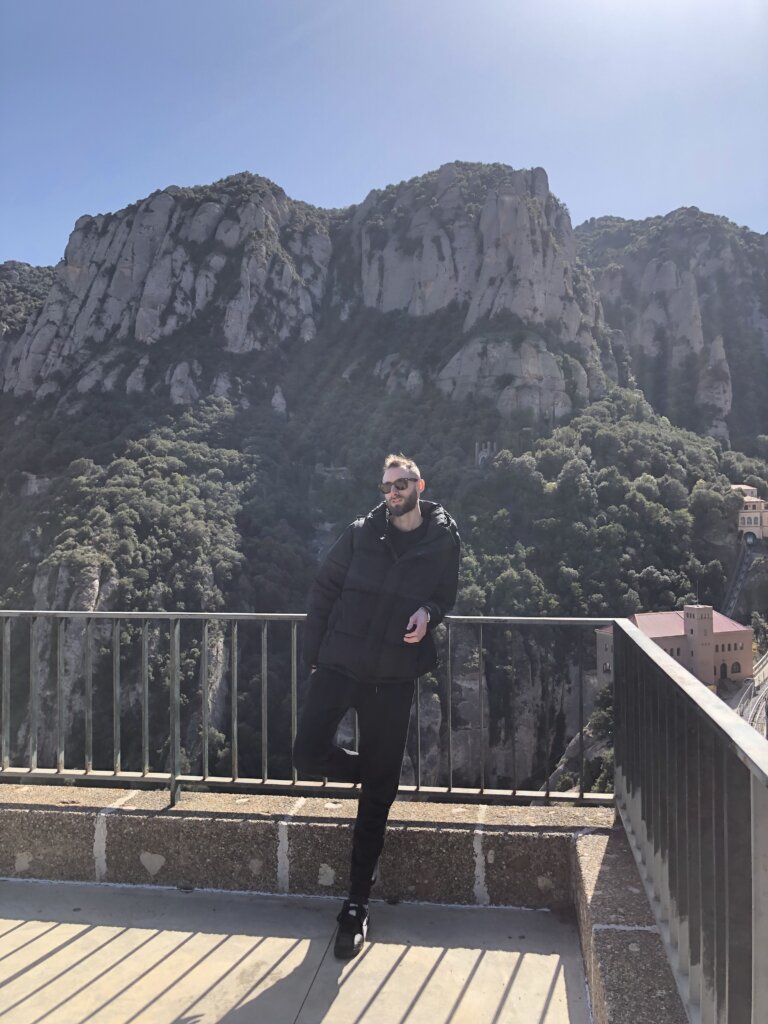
{"x":244,"y":960}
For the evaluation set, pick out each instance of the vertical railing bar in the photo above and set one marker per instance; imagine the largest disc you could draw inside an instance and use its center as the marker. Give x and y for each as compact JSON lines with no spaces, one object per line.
{"x":175,"y":709}
{"x":233,"y":709}
{"x":673,"y":858}
{"x":513,"y":716}
{"x":6,"y":697}
{"x":33,"y":695}
{"x":739,"y":891}
{"x":418,"y":733}
{"x":720,"y":859}
{"x":547,"y":765}
{"x":448,"y":709}
{"x":655,"y":767}
{"x":707,"y":828}
{"x":89,"y":695}
{"x":581,"y":715}
{"x":759,"y":845}
{"x":205,"y":726}
{"x":693,"y":768}
{"x":145,"y":697}
{"x":684,"y":947}
{"x":294,"y":699}
{"x":664,"y":819}
{"x":116,"y":751}
{"x":646,"y":790}
{"x":264,"y":702}
{"x":60,"y":695}
{"x":481,"y":702}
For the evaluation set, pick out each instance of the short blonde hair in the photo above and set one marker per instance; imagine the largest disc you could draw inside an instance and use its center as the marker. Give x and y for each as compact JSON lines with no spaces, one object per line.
{"x":401,"y":461}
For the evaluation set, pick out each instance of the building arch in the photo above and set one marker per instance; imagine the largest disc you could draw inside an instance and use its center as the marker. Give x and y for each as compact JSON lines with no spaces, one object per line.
{"x":736,"y":668}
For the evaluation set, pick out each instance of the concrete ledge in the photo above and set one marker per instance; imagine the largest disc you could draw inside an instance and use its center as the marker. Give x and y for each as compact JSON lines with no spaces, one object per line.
{"x":630,"y":980}
{"x":459,"y":854}
{"x":559,"y":858}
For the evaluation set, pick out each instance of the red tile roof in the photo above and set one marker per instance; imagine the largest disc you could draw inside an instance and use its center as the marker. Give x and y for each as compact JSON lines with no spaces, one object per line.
{"x":655,"y":624}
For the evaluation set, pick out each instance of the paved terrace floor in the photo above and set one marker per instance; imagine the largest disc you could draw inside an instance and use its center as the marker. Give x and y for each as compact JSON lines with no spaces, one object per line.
{"x":72,"y":953}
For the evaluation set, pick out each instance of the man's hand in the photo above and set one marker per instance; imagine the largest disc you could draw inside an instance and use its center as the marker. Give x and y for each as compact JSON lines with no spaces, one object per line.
{"x":417,"y":626}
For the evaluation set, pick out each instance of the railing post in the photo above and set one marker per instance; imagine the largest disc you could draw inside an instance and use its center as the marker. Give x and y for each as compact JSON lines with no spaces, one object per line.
{"x":707,"y":827}
{"x":264,"y":703}
{"x":418,"y":733}
{"x":448,"y":705}
{"x":88,"y":695}
{"x":34,"y":695}
{"x":738,"y":845}
{"x":233,"y":709}
{"x":175,"y":695}
{"x":205,"y":726}
{"x":116,"y":699}
{"x":6,"y":695}
{"x":581,"y":715}
{"x":60,"y":726}
{"x":759,"y":840}
{"x":721,"y":892}
{"x":294,"y":699}
{"x":481,"y":703}
{"x":145,"y":697}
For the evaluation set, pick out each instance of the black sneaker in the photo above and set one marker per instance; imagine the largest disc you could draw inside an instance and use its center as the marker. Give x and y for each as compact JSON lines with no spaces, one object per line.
{"x":352,"y":930}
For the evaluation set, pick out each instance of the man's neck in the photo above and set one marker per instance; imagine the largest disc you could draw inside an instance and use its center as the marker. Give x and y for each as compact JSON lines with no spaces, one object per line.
{"x":410,"y":521}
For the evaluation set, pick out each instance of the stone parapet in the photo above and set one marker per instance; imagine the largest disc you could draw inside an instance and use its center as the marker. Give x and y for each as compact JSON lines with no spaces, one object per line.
{"x":550,"y":858}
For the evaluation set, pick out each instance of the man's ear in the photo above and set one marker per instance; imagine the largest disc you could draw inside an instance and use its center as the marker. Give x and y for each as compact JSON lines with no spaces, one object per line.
{"x":422,"y":485}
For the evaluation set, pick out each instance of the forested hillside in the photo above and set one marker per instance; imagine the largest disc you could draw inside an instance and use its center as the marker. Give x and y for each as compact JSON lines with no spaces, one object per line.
{"x":202,"y":398}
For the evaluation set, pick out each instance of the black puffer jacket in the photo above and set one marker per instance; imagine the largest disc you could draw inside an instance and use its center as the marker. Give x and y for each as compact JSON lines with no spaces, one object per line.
{"x":364,"y":595}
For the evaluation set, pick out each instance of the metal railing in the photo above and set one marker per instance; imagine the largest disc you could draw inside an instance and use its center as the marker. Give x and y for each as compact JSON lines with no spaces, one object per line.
{"x":759,"y":668}
{"x":691,"y":777}
{"x":691,"y":783}
{"x":142,"y":655}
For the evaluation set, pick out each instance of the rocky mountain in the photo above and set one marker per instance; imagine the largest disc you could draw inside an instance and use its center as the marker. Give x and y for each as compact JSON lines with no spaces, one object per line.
{"x":238,"y":267}
{"x":687,"y":294}
{"x":196,"y":399}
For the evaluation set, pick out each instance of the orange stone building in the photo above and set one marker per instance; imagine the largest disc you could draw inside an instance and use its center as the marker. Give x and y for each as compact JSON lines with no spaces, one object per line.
{"x":711,"y":646}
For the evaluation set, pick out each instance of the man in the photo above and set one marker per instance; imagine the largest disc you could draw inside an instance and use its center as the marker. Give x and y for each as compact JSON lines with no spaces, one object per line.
{"x":384,"y":586}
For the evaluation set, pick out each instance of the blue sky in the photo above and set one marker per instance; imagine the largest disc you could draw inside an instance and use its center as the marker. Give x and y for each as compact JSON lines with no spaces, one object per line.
{"x":633,"y":107}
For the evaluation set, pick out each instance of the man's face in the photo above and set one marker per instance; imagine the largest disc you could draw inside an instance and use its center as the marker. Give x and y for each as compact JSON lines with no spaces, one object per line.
{"x":400,"y":502}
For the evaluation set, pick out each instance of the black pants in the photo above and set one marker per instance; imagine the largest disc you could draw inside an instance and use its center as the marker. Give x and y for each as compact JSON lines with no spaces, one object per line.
{"x":383,"y":713}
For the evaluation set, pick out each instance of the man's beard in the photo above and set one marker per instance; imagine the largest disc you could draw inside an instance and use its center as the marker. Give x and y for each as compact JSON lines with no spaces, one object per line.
{"x":406,"y":505}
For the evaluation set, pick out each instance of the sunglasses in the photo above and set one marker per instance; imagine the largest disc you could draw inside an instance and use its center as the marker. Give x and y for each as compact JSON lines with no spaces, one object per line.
{"x":401,"y":484}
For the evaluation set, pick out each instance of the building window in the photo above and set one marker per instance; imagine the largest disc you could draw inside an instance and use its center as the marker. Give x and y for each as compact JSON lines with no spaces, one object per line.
{"x":691,"y":632}
{"x":741,"y":645}
{"x":729,"y":647}
{"x":736,"y":668}
{"x":717,"y":648}
{"x":678,"y":652}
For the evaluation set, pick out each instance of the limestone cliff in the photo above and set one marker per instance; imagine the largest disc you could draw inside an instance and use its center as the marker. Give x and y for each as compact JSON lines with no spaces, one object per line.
{"x":688,"y":295}
{"x":143,"y":295}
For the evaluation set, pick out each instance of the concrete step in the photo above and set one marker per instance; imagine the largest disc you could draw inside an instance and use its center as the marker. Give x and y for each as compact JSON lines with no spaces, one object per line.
{"x":573,"y":862}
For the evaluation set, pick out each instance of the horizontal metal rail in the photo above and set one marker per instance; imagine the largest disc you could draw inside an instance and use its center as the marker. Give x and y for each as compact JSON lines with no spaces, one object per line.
{"x":691,"y":782}
{"x":173,"y":773}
